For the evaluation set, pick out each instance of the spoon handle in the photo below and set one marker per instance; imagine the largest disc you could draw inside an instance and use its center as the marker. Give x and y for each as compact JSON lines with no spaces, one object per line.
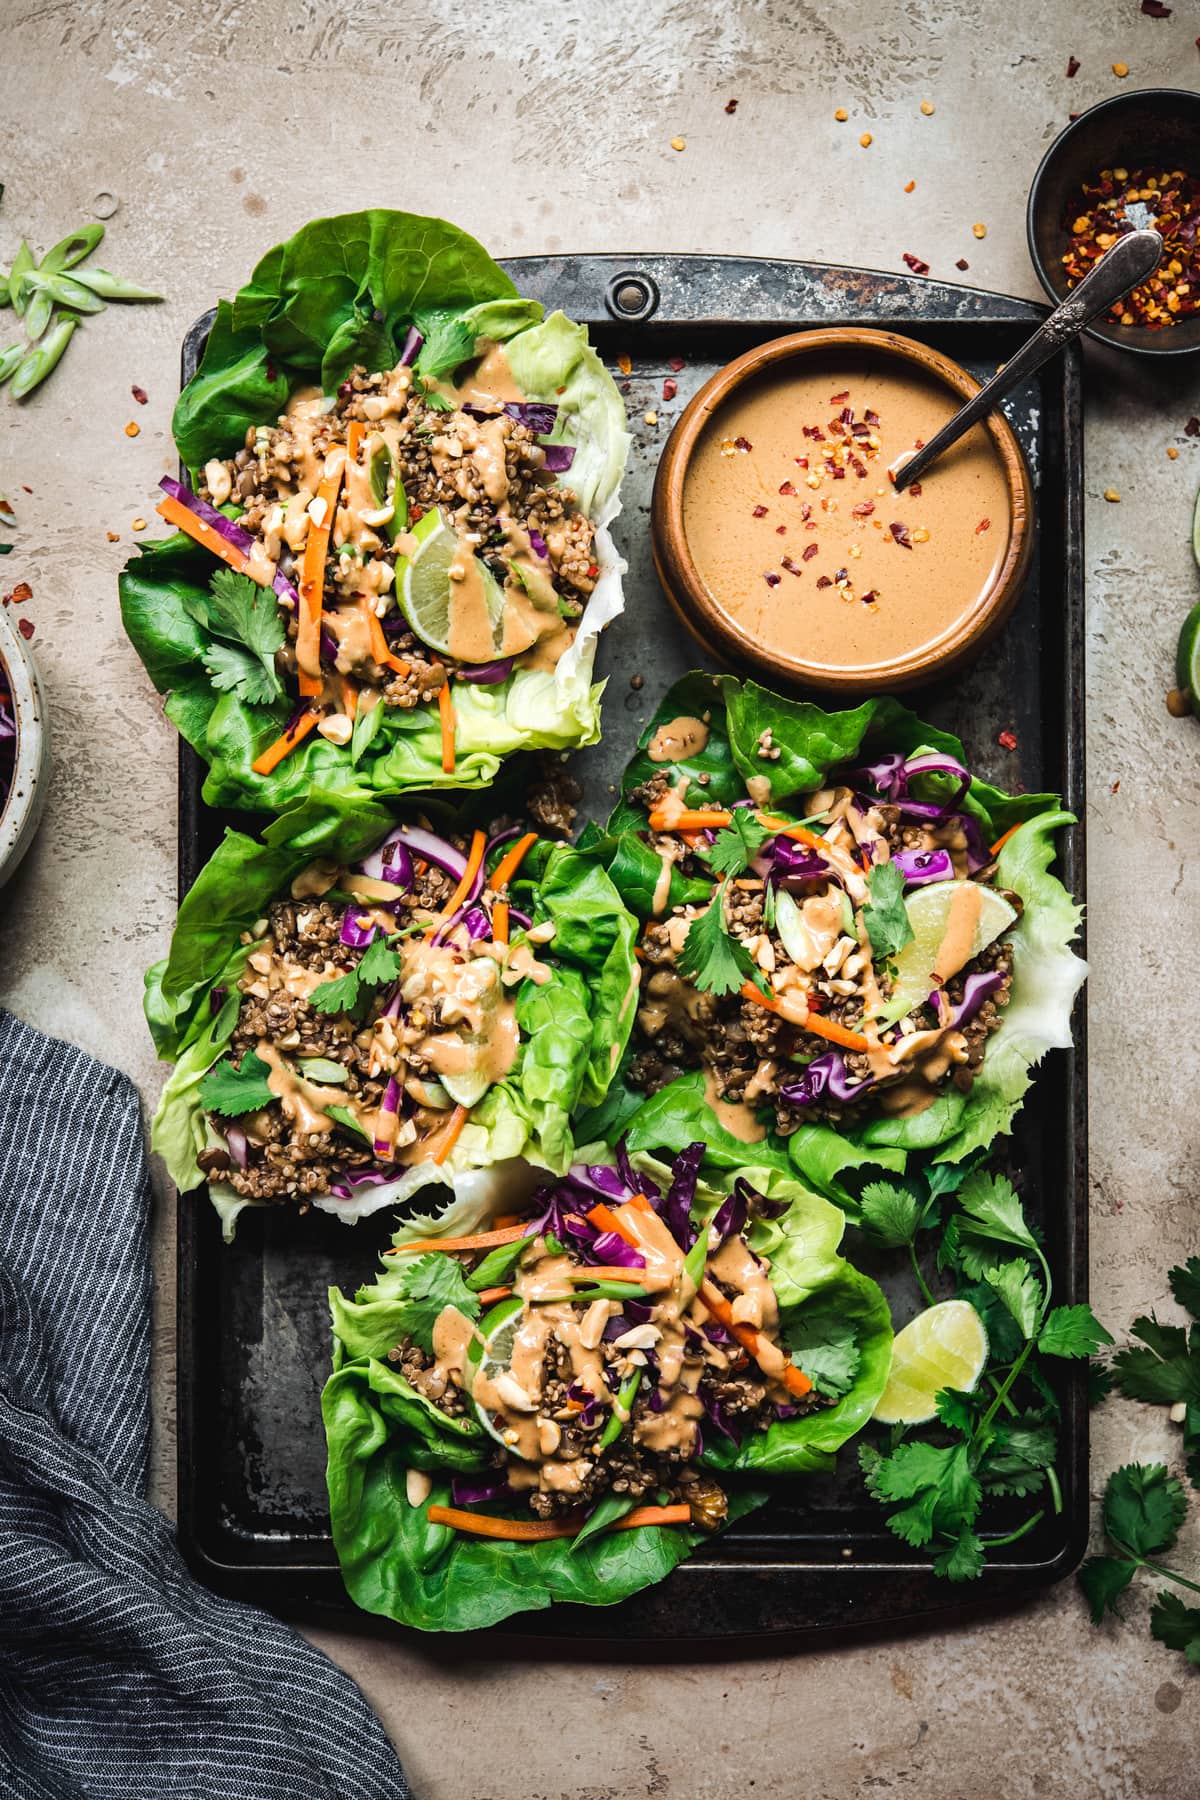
{"x":1128,"y":261}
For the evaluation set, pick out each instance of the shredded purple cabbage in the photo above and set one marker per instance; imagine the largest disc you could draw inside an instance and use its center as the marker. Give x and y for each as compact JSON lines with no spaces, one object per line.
{"x":472,"y":1490}
{"x":487,"y":674}
{"x":611,"y":1248}
{"x":827,"y":1073}
{"x":412,"y":345}
{"x":920,"y":866}
{"x":677,"y":1208}
{"x":976,"y":989}
{"x":354,"y":935}
{"x":559,"y":458}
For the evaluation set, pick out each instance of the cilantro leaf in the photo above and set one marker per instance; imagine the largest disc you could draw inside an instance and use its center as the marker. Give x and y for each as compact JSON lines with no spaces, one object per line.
{"x":231,"y":1092}
{"x":891,"y":1214}
{"x":963,"y":1560}
{"x":1143,"y":1508}
{"x":1072,"y":1331}
{"x":1177,"y":1625}
{"x":957,"y":1410}
{"x":827,"y":1351}
{"x":338,"y":994}
{"x":886,"y":917}
{"x":712,"y":958}
{"x":994,"y":1211}
{"x":1185,"y":1285}
{"x":1103,"y":1579}
{"x":431,"y":1284}
{"x":1021,"y":1292}
{"x":239,"y":610}
{"x":1019,"y":1455}
{"x":735,"y":848}
{"x":379,"y":963}
{"x":1101,"y":1381}
{"x":1165,"y":1371}
{"x":237,"y":671}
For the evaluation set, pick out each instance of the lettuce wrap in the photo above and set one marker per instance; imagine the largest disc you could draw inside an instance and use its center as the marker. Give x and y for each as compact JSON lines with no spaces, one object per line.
{"x":381,"y":291}
{"x":396,"y":1452}
{"x":771,"y":781}
{"x":358,"y":1008}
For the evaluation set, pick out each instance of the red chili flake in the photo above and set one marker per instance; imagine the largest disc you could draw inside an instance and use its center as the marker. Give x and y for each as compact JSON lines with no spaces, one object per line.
{"x":838,"y":474}
{"x":760,"y":512}
{"x":1073,"y":67}
{"x":272,"y":372}
{"x":846,"y":415}
{"x":6,"y":508}
{"x":1115,"y":788}
{"x":801,"y":462}
{"x":742,"y":443}
{"x":1154,"y":9}
{"x":860,"y":429}
{"x":771,"y":578}
{"x":25,"y":627}
{"x":676,"y":363}
{"x":841,"y":574}
{"x":627,"y":387}
{"x":918,"y":443}
{"x":915,"y":490}
{"x":781,"y":531}
{"x":824,"y":581}
{"x":731,"y":106}
{"x":837,"y":399}
{"x":1192,"y":428}
{"x":21,"y":593}
{"x":962,"y":263}
{"x":860,"y":469}
{"x":785,"y":562}
{"x":872,"y":418}
{"x":915,"y":264}
{"x":786,"y":488}
{"x":902,"y":535}
{"x":806,"y":512}
{"x":670,"y":389}
{"x":25,"y":489}
{"x":139,"y":394}
{"x":983,"y":525}
{"x":810,"y":550}
{"x":1007,"y":740}
{"x":864,"y":509}
{"x":593,"y":571}
{"x":870,"y":597}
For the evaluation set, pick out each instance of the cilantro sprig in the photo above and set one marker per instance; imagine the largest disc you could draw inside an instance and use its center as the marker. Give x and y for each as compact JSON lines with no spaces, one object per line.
{"x":379,"y":964}
{"x":247,"y":627}
{"x":1163,"y":1366}
{"x":1144,"y":1508}
{"x":230,"y":1091}
{"x":735,"y":847}
{"x":713,"y":959}
{"x":431,"y":1284}
{"x":885,"y":915}
{"x":986,"y":1445}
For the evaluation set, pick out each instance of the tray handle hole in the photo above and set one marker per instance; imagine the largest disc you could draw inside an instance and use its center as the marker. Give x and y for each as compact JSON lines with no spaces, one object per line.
{"x":632,"y":297}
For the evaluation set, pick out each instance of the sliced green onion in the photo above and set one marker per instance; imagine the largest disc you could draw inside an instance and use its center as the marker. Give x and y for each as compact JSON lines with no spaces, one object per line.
{"x":37,"y":314}
{"x":66,"y":291}
{"x":71,"y":249}
{"x":44,"y":358}
{"x":9,"y":359}
{"x":113,"y":287}
{"x":22,"y":265}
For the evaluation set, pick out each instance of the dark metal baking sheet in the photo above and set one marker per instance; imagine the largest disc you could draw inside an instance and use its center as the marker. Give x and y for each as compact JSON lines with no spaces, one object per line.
{"x":253,"y":1326}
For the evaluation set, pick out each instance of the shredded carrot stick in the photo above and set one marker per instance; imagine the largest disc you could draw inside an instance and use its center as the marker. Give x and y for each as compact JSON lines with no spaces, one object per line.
{"x":312,"y":585}
{"x":605,"y":1219}
{"x":822,"y":1028}
{"x":490,"y":1294}
{"x":500,"y":922}
{"x":640,"y":1202}
{"x":478,"y":846}
{"x":284,"y":745}
{"x":1000,"y":842}
{"x":801,"y":832}
{"x":452,"y":1133}
{"x":665,"y":819}
{"x":511,"y":861}
{"x":349,"y":697}
{"x":679,"y":1514}
{"x":176,"y":513}
{"x":482,"y":1240}
{"x":446,"y":712}
{"x":793,"y":1378}
{"x":536,"y":1531}
{"x":379,"y":643}
{"x":502,"y":1219}
{"x":354,"y":437}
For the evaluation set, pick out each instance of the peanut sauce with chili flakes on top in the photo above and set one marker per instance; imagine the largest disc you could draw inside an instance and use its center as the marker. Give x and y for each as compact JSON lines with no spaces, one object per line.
{"x":870,"y":572}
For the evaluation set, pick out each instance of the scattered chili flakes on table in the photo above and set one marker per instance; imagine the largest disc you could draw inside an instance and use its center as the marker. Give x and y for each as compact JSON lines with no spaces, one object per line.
{"x":979,"y":229}
{"x":731,"y":106}
{"x":25,"y":627}
{"x":138,"y":525}
{"x":841,"y":115}
{"x":114,"y":537}
{"x":139,"y":394}
{"x":962,"y":263}
{"x":133,"y":429}
{"x":676,"y":363}
{"x":1154,"y":9}
{"x":20,"y":594}
{"x":927,"y":107}
{"x":1007,"y":740}
{"x":1172,"y":452}
{"x":678,"y":143}
{"x":670,"y":389}
{"x":1073,"y":67}
{"x":1192,"y":428}
{"x":866,"y":140}
{"x":909,"y":186}
{"x":915,"y":263}
{"x":625,"y":363}
{"x":1112,"y":496}
{"x":1120,"y":70}
{"x":1097,"y":217}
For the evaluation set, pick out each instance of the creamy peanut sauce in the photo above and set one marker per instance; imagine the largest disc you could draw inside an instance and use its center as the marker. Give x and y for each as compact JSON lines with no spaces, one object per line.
{"x":734,"y":1116}
{"x":514,"y":1395}
{"x":754,"y":470}
{"x":678,"y":740}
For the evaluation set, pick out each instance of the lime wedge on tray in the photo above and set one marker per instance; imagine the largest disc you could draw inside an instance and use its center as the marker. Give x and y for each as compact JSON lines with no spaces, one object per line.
{"x":1187,"y":659}
{"x":424,"y":588}
{"x":946,"y":1346}
{"x":928,"y":911}
{"x":491,"y":1351}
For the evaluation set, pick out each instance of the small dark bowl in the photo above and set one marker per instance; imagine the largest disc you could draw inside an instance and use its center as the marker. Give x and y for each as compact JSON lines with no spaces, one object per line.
{"x":1152,"y":127}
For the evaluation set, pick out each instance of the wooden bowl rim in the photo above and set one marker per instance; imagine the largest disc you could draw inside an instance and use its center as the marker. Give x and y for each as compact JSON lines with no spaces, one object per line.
{"x":712,"y":624}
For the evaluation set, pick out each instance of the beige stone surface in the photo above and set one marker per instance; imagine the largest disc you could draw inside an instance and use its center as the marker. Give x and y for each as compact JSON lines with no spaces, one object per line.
{"x":540,"y":125}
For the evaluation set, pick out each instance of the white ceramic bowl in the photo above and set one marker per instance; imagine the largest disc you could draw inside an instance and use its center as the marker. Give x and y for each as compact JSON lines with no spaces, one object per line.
{"x":20,"y":813}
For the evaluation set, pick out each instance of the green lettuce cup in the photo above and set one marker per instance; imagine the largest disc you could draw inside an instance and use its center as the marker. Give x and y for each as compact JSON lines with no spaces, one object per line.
{"x":393,"y":559}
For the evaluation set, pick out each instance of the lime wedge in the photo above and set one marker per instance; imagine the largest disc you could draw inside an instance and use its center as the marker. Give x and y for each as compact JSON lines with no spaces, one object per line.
{"x":1196,"y":528}
{"x":490,"y":1354}
{"x":928,"y":911}
{"x":424,"y":587}
{"x":944,"y":1347}
{"x":1187,"y":657}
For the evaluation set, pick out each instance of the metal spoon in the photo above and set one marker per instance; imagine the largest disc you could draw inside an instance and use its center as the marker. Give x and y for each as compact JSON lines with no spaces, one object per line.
{"x":1131,"y":259}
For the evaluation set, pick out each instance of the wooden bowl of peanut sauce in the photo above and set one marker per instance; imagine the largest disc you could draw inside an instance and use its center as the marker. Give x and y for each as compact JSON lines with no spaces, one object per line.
{"x":785,"y":547}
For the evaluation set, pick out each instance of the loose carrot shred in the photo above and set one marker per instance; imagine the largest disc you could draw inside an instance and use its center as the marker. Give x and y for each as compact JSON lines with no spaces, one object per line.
{"x":482,"y":1240}
{"x":511,"y":861}
{"x":605,"y":1219}
{"x":176,"y":513}
{"x":379,"y":643}
{"x":793,"y":1378}
{"x":1000,"y":842}
{"x":450,"y":1137}
{"x":349,"y":697}
{"x":664,"y":819}
{"x":535,"y":1531}
{"x":354,"y":437}
{"x":640,"y":1202}
{"x":822,"y":1028}
{"x":284,"y":745}
{"x":500,"y":922}
{"x":312,"y":586}
{"x":489,"y":1295}
{"x":800,"y":832}
{"x":502,"y":1219}
{"x":474,"y":859}
{"x":448,"y":722}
